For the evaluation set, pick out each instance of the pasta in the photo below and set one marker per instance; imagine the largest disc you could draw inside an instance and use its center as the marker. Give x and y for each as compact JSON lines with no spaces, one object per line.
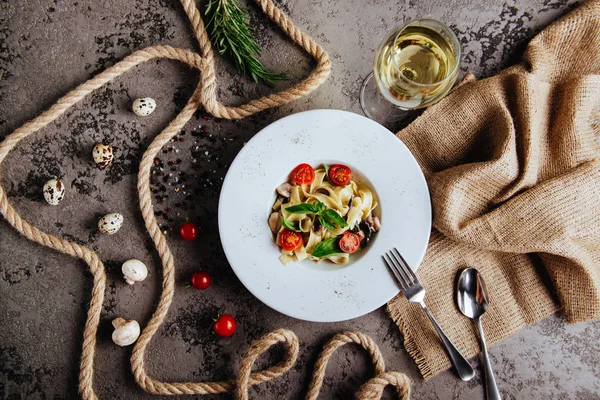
{"x":322,"y":214}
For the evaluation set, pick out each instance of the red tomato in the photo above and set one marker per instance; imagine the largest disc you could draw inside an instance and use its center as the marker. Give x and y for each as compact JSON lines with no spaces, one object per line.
{"x":350,"y":242}
{"x":224,"y":326}
{"x":200,"y":280}
{"x":188,"y":231}
{"x":303,"y":174}
{"x":290,"y":240}
{"x":340,"y":174}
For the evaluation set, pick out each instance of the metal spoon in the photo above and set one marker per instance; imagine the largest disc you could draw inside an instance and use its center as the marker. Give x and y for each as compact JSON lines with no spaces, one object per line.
{"x":472,"y":298}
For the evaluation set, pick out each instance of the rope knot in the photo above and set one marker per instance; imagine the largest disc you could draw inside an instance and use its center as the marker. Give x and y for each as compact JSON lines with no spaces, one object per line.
{"x":245,"y":378}
{"x":373,"y":388}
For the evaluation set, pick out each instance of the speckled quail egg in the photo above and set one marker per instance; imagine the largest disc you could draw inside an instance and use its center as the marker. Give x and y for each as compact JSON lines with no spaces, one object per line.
{"x":54,"y":191}
{"x":110,"y":223}
{"x":103,"y":155}
{"x":144,"y":106}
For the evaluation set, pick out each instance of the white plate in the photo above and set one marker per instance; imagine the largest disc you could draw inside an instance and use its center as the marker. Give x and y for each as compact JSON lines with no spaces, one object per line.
{"x":307,"y":290}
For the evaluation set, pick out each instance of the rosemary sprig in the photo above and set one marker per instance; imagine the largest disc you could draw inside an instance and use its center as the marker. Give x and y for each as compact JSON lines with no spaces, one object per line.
{"x":229,"y":29}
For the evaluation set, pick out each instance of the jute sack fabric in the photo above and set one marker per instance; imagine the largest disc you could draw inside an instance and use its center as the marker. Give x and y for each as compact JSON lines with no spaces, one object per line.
{"x":513,"y":171}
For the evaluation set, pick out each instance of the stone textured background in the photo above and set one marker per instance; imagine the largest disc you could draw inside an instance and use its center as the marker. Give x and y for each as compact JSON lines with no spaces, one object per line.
{"x":48,"y":47}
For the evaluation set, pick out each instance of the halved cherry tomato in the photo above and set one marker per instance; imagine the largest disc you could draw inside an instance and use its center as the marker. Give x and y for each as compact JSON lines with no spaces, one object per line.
{"x":350,"y":242}
{"x":290,"y":240}
{"x":303,"y":174}
{"x":340,"y":174}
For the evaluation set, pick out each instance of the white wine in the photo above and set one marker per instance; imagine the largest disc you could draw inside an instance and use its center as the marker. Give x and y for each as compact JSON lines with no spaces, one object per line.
{"x":415,"y":67}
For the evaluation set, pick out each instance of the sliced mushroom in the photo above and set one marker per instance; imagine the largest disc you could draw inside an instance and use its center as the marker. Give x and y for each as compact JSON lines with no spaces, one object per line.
{"x":361,"y":235}
{"x":373,"y":223}
{"x":322,"y":191}
{"x":366,"y":230}
{"x":369,"y":222}
{"x":275,"y":222}
{"x":285,"y":189}
{"x":376,"y":224}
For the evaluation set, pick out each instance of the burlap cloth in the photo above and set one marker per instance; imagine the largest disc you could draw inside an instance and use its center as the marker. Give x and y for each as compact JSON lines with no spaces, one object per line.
{"x":513,"y":171}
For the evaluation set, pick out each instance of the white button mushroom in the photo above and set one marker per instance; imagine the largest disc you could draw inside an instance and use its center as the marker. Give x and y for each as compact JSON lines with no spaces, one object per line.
{"x":110,"y":223}
{"x":103,"y":155}
{"x":285,"y":189}
{"x":134,"y":271}
{"x":275,"y":222}
{"x":144,"y":106}
{"x":54,"y":191}
{"x":126,"y":331}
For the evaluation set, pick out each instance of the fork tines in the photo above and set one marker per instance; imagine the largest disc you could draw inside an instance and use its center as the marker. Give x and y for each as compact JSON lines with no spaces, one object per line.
{"x":400,"y":268}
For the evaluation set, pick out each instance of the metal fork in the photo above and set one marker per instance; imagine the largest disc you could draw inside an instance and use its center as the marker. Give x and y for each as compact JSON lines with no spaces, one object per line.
{"x":415,"y":293}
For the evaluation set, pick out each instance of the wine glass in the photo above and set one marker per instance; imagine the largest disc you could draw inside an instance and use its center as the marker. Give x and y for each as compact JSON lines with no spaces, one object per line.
{"x":414,"y":67}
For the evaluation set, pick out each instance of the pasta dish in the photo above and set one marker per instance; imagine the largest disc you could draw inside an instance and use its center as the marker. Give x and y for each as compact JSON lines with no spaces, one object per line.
{"x":323,"y":214}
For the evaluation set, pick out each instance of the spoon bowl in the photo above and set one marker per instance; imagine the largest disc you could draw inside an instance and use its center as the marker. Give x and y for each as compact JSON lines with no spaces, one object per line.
{"x":473,"y":301}
{"x":471,"y":294}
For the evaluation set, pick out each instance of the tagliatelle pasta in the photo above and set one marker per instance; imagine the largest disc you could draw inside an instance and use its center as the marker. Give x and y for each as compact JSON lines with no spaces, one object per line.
{"x":323,"y":214}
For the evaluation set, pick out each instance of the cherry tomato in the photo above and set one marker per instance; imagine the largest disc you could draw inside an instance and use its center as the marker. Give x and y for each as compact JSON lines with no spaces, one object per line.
{"x":200,"y":280}
{"x":224,"y":326}
{"x":350,"y":242}
{"x":188,"y":231}
{"x":340,"y":174}
{"x":290,"y":240}
{"x":303,"y":174}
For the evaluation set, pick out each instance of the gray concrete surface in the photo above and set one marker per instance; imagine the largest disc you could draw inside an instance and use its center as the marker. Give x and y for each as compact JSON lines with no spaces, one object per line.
{"x":48,"y":47}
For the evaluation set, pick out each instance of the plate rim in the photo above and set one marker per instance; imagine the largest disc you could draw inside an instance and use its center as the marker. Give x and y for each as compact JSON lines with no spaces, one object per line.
{"x":237,"y":159}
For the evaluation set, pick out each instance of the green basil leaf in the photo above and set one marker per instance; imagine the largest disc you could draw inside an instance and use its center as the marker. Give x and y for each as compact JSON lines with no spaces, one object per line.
{"x":334,"y":217}
{"x":302,"y":209}
{"x":327,"y":248}
{"x":326,"y":223}
{"x":292,"y":226}
{"x":319,"y":206}
{"x":327,"y":167}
